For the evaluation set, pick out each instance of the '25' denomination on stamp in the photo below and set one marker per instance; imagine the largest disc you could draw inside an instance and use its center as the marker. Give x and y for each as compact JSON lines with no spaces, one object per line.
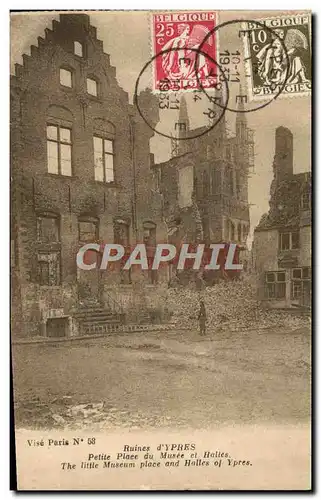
{"x":278,"y":55}
{"x":176,"y":38}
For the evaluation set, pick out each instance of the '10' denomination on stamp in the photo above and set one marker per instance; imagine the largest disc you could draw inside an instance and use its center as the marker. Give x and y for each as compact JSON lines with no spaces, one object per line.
{"x":176,"y":40}
{"x":278,"y":56}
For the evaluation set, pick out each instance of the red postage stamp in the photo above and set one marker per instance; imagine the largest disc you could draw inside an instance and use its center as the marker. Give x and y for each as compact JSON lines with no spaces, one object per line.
{"x":184,"y":50}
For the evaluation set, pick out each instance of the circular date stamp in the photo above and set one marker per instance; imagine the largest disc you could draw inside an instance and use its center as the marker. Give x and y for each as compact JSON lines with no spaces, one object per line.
{"x":208,"y":109}
{"x":243,"y":68}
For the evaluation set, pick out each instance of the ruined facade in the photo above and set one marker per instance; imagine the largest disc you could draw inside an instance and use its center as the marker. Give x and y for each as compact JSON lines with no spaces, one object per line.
{"x":282,"y":240}
{"x":80,"y":169}
{"x":205,"y":185}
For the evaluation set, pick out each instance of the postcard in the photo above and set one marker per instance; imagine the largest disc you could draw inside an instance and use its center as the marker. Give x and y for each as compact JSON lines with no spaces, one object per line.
{"x":161,"y":250}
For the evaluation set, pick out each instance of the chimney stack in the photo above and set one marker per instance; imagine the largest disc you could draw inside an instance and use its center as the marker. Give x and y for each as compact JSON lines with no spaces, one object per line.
{"x":283,"y":158}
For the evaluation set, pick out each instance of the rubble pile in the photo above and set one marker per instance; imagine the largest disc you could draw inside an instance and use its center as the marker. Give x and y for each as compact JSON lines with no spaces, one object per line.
{"x":231,"y":305}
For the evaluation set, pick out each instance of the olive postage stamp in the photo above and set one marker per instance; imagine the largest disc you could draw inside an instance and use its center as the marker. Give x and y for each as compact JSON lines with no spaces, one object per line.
{"x":278,"y":54}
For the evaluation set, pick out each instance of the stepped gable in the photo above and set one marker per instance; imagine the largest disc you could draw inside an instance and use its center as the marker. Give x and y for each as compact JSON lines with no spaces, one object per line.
{"x":69,"y":28}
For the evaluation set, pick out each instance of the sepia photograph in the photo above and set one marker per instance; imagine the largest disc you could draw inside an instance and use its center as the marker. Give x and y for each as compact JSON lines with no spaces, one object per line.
{"x":160,"y":229}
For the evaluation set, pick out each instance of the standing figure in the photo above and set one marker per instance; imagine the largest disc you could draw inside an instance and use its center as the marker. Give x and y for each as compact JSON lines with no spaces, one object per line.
{"x":180,"y":62}
{"x":202,"y":318}
{"x":272,"y":61}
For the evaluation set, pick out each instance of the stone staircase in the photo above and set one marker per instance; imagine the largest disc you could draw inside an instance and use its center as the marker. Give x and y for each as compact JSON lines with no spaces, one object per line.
{"x":95,"y":320}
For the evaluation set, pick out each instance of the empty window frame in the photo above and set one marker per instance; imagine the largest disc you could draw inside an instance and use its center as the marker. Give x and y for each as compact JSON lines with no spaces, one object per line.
{"x":92,"y":87}
{"x":88,"y":229}
{"x":65,"y":77}
{"x":47,"y":229}
{"x":78,"y":49}
{"x":49,"y":268}
{"x":300,"y":278}
{"x":59,"y":150}
{"x":306,"y":198}
{"x":104,"y":159}
{"x":289,"y":240}
{"x":275,"y":285}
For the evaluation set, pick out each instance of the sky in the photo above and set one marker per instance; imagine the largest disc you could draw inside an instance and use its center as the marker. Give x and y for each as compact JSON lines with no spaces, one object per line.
{"x":127,"y":38}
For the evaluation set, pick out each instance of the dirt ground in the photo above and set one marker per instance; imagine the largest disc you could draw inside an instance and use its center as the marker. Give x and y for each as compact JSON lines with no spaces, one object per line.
{"x":164,"y":379}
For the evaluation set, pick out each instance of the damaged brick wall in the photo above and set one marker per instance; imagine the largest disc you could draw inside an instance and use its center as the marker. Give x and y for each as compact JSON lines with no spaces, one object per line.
{"x":38,"y":98}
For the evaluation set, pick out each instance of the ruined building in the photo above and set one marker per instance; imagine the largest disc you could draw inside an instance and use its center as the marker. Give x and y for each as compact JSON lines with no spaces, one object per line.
{"x":205,"y":185}
{"x":80,"y":169}
{"x":282,"y":240}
